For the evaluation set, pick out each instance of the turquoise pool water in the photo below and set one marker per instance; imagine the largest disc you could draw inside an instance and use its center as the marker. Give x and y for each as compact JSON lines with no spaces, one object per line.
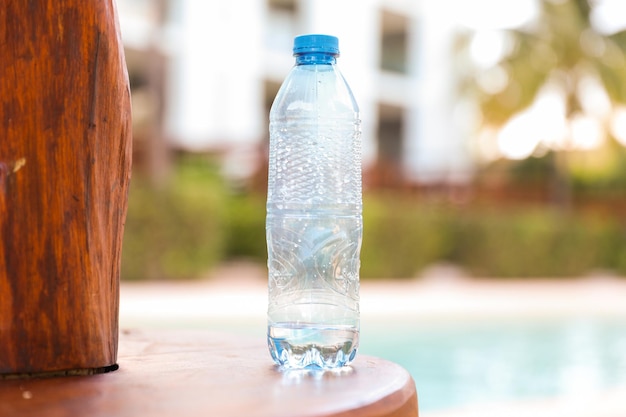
{"x":457,"y":364}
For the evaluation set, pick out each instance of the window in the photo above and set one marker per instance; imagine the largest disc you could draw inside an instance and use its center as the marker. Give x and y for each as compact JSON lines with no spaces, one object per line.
{"x":282,"y":23}
{"x":270,"y":90}
{"x":390,"y":137}
{"x":284,"y":6}
{"x":393,"y":42}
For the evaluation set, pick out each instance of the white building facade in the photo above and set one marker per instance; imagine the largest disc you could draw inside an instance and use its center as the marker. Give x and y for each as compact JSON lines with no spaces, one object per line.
{"x":224,"y":62}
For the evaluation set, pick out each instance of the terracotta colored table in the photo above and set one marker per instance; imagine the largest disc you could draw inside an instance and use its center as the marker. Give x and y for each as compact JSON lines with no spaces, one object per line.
{"x":194,"y":373}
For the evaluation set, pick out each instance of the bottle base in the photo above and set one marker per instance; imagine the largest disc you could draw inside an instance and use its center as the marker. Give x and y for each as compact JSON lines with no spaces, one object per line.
{"x":300,"y":346}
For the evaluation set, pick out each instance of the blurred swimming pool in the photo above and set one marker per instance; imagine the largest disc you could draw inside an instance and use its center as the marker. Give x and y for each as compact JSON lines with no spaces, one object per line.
{"x":467,"y":345}
{"x":458,"y":364}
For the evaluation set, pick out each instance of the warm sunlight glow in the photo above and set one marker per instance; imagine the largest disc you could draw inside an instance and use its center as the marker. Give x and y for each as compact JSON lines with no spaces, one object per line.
{"x":487,"y":47}
{"x":586,"y":132}
{"x":618,"y":125}
{"x":593,"y":98}
{"x":487,"y":144}
{"x":519,"y":137}
{"x":608,"y":16}
{"x":549,"y":117}
{"x":544,"y":122}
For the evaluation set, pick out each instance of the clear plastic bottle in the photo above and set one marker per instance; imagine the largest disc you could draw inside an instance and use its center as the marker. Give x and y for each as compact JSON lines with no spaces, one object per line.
{"x":314,"y":212}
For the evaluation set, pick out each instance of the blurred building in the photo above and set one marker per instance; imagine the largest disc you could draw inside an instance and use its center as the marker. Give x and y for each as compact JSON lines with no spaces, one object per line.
{"x":204,"y":74}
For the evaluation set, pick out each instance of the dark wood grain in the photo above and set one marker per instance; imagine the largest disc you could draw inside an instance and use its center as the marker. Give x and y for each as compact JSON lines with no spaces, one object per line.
{"x":65,"y":154}
{"x":198,"y":374}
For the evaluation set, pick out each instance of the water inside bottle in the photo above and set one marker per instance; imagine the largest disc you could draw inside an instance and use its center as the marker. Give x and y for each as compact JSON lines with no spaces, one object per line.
{"x":314,"y":222}
{"x":295,"y":345}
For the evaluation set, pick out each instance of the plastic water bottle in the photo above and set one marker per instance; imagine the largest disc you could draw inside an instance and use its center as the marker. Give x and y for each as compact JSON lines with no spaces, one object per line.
{"x":314,"y":220}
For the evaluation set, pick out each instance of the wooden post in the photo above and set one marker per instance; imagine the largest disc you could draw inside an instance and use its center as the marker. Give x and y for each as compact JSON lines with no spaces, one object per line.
{"x":65,"y":155}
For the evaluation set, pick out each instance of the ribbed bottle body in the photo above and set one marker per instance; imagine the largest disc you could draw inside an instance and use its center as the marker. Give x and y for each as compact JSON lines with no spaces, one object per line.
{"x":314,"y":220}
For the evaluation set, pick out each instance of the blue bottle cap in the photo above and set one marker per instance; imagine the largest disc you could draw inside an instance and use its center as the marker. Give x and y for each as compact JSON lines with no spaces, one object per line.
{"x":316,"y":43}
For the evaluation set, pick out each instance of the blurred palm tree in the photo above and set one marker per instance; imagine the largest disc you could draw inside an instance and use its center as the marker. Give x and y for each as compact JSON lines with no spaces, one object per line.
{"x":561,"y":51}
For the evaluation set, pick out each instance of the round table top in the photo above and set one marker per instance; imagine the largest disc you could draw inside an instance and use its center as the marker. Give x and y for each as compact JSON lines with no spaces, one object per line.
{"x":194,"y":373}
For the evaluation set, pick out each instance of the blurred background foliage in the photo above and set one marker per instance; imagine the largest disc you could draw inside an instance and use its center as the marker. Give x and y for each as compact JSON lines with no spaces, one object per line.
{"x":195,"y":221}
{"x":554,"y":209}
{"x":176,"y":229}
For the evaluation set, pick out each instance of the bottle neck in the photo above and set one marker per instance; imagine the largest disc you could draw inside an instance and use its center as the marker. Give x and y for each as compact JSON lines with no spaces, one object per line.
{"x":316,"y":58}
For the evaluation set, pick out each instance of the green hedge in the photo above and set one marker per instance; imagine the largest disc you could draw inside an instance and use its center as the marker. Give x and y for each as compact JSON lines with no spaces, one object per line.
{"x":400,"y":237}
{"x":175,"y":230}
{"x":535,"y":243}
{"x":189,"y":225}
{"x":245,"y":222}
